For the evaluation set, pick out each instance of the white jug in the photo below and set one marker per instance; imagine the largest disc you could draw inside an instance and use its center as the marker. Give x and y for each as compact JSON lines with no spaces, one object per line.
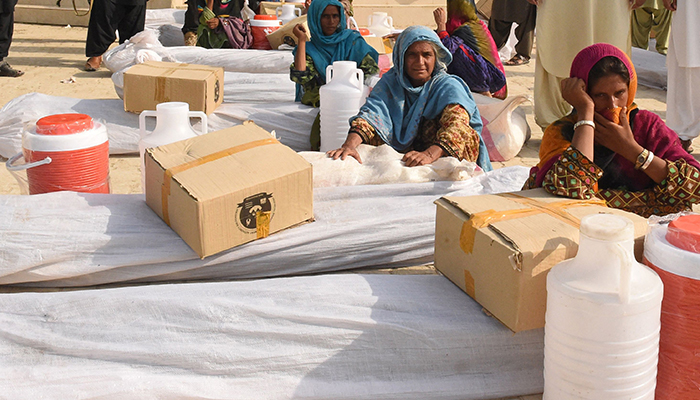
{"x":505,"y":128}
{"x":603,"y":318}
{"x":340,"y":100}
{"x":287,"y":12}
{"x":380,"y":24}
{"x":172,"y":125}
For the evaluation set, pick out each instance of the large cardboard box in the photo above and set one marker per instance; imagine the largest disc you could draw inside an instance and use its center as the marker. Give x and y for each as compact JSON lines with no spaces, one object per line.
{"x":228,"y":187}
{"x":499,"y":248}
{"x":153,"y":82}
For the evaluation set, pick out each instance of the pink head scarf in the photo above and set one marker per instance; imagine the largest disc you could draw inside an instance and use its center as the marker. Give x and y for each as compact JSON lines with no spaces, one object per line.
{"x":588,"y":57}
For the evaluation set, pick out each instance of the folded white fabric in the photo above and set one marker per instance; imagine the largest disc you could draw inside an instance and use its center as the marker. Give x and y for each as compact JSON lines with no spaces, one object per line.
{"x":320,"y":337}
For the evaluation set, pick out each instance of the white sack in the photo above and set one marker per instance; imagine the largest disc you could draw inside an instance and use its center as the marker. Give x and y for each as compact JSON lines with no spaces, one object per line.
{"x":70,"y":239}
{"x":165,"y":16}
{"x":124,"y":55}
{"x":382,"y":164}
{"x":650,"y":67}
{"x":320,"y":337}
{"x":171,"y":36}
{"x":505,"y":125}
{"x":291,"y":121}
{"x":235,"y":60}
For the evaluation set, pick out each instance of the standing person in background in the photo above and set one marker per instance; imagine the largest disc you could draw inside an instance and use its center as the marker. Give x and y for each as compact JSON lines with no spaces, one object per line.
{"x":683,"y":62}
{"x":651,"y":15}
{"x":7,"y":22}
{"x":563,"y":29}
{"x":108,"y":16}
{"x":506,"y":12}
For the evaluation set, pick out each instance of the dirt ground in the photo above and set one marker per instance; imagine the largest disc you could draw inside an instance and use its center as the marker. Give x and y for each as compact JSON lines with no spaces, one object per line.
{"x":50,"y":54}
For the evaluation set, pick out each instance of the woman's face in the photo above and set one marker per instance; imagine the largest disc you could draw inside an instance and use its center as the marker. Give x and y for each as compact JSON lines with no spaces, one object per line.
{"x":419,"y":63}
{"x":609,"y":92}
{"x":330,"y":19}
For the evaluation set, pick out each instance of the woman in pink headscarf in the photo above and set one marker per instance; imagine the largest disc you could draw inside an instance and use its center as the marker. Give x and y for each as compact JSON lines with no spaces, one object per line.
{"x":608,"y":148}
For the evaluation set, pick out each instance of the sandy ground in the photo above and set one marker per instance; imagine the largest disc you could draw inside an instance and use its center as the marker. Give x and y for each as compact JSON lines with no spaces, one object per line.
{"x":49,"y":54}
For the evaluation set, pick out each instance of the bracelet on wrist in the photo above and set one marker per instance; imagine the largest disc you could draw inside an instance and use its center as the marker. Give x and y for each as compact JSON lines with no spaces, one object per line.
{"x":647,"y":162}
{"x":584,"y":122}
{"x":643,"y":160}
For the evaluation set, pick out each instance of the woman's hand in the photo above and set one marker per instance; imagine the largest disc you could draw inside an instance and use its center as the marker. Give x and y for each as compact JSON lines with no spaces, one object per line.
{"x":535,"y":2}
{"x":671,"y":4}
{"x":634,"y":4}
{"x":440,"y":16}
{"x":213,"y":23}
{"x":573,"y":90}
{"x":618,"y":138}
{"x":416,"y":158}
{"x":300,"y":32}
{"x":349,"y":148}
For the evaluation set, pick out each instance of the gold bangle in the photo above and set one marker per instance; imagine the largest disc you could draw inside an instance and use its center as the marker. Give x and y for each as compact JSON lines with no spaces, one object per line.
{"x":648,"y":161}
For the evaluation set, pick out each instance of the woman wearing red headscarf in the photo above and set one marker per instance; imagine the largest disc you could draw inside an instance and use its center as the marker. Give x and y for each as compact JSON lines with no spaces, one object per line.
{"x":607,"y":147}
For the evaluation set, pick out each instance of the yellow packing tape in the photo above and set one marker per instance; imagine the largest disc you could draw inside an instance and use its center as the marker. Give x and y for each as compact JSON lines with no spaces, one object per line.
{"x":171,"y":172}
{"x":486,"y":218}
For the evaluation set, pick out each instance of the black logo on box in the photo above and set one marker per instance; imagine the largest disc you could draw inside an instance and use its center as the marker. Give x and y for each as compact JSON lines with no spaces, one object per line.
{"x":217,"y":91}
{"x":247,"y":211}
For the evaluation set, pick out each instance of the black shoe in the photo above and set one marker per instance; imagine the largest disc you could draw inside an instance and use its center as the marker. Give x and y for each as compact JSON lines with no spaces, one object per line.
{"x":6,"y":70}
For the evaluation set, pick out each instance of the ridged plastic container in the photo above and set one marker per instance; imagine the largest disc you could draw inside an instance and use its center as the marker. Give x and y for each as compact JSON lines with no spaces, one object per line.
{"x":341,"y":98}
{"x":673,"y":251}
{"x":380,"y":24}
{"x":172,"y":125}
{"x":603,"y":318}
{"x":64,"y":152}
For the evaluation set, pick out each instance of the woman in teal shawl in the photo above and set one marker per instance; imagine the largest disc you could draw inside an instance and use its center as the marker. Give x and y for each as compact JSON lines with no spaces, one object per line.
{"x":330,"y":41}
{"x":419,"y":109}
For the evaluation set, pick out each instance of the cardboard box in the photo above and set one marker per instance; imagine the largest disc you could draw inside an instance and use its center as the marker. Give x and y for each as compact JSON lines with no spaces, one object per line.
{"x":285,"y":35}
{"x":153,"y":82}
{"x":228,"y":187}
{"x":499,"y":248}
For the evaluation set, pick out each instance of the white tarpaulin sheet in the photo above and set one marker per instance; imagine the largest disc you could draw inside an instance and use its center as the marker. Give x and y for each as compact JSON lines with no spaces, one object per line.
{"x":336,"y":337}
{"x":291,"y":121}
{"x":76,"y":239}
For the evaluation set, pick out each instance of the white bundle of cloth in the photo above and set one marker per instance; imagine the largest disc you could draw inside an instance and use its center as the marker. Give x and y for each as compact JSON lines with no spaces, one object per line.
{"x":383,"y":165}
{"x":67,"y":239}
{"x":343,"y":336}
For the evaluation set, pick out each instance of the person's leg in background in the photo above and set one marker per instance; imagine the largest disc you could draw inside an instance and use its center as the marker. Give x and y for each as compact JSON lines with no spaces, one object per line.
{"x":101,"y":32}
{"x":189,"y":29}
{"x":549,"y":104}
{"x":640,"y":25}
{"x":500,"y":31}
{"x":525,"y":33}
{"x":132,"y":21}
{"x":662,"y":28}
{"x":7,"y":22}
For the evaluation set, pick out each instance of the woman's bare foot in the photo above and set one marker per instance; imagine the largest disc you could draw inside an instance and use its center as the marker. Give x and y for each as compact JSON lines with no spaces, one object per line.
{"x":93,"y":63}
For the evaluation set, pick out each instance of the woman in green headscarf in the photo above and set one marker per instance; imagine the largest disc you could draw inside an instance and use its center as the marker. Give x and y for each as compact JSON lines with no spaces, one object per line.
{"x":330,"y":41}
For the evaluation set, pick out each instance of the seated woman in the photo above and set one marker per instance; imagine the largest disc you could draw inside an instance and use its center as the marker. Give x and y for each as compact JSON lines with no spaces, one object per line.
{"x":210,"y":34}
{"x":481,"y":76}
{"x":464,"y":23}
{"x":610,"y":149}
{"x":330,"y":41}
{"x":419,"y":109}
